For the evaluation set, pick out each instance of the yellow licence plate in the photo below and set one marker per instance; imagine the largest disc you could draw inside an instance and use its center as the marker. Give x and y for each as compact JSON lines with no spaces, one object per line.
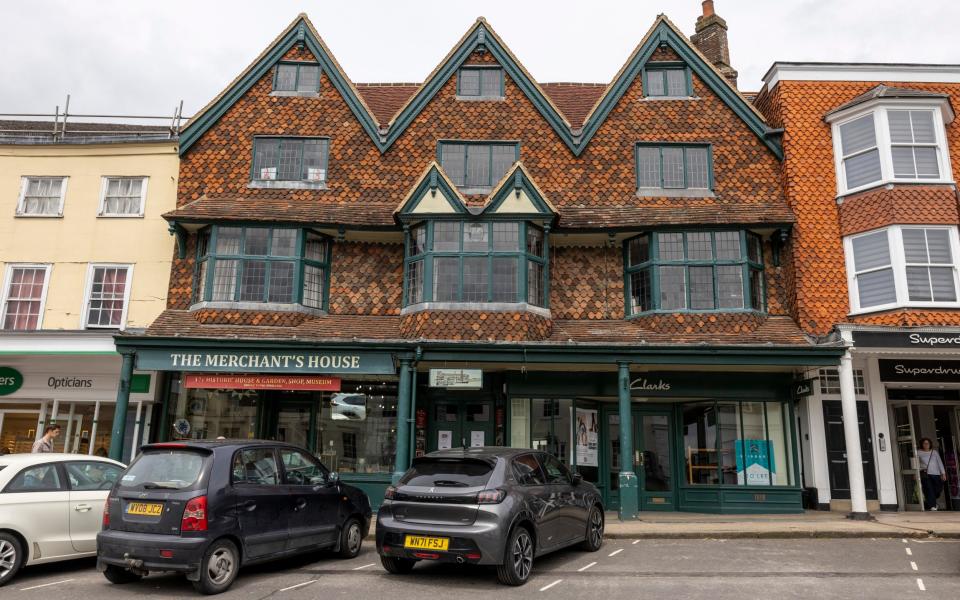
{"x":419,"y":542}
{"x":150,"y":509}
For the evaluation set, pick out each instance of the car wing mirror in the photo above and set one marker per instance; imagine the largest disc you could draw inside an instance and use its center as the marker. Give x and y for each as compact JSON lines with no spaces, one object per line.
{"x":332,"y":478}
{"x":576,"y":478}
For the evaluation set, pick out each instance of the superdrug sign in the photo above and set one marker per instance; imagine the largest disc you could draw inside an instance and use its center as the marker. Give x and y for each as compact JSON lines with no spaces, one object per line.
{"x":906,"y":339}
{"x":941,"y":371}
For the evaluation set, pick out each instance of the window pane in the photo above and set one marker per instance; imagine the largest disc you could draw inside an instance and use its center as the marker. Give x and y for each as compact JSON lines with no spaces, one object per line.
{"x":903,"y":162}
{"x":291,"y":153}
{"x":476,"y":237}
{"x":700,"y":443}
{"x":753,"y":448}
{"x":728,"y":428}
{"x":640,"y":292}
{"x":313,"y":281}
{"x":697,"y":169}
{"x":418,"y":240}
{"x":359,"y":445}
{"x":92,"y":476}
{"x":534,"y":241}
{"x":505,"y":279}
{"x":728,"y":246}
{"x":648,"y":167}
{"x":756,"y":289}
{"x":535,"y":283}
{"x":314,"y":160}
{"x":923,"y":131}
{"x":938,"y":242}
{"x":24,"y":296}
{"x":900,"y":129}
{"x":673,"y":288}
{"x":699,"y":246}
{"x":286,"y":78}
{"x":857,"y":135}
{"x":255,"y":240}
{"x":676,"y":82}
{"x":446,"y":236}
{"x":781,"y":455}
{"x":281,"y":282}
{"x":754,"y":248}
{"x":266,"y":155}
{"x":224,"y":280}
{"x":672,"y":167}
{"x":107,"y":292}
{"x":915,"y":245}
{"x":503,"y":158}
{"x":701,"y":288}
{"x":638,"y":250}
{"x":490,"y":83}
{"x":506,"y":237}
{"x":730,"y":286}
{"x":943,"y":284}
{"x":862,"y":168}
{"x":42,"y":196}
{"x":453,"y":162}
{"x":253,"y":280}
{"x":918,"y":284}
{"x":309,"y":78}
{"x":876,"y":288}
{"x":415,"y":282}
{"x":476,"y":279}
{"x":469,"y":82}
{"x":656,"y":85}
{"x":446,"y":279}
{"x":670,"y":246}
{"x":871,"y":251}
{"x":44,"y":478}
{"x":284,"y":242}
{"x":122,"y":196}
{"x":201,"y":283}
{"x":228,"y":240}
{"x":927,"y":165}
{"x":478,"y":166}
{"x":316,"y":248}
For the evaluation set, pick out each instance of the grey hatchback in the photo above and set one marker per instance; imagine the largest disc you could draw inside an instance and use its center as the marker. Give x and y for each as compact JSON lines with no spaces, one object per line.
{"x":487,"y":506}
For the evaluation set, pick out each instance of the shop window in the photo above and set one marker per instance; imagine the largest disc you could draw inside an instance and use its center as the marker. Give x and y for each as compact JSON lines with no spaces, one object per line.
{"x":475,"y":262}
{"x":107,"y":297}
{"x":737,"y":443}
{"x":297,"y":77}
{"x":262,"y":265}
{"x":24,"y":293}
{"x":475,"y":167}
{"x":480,"y":83}
{"x":542,"y":424}
{"x":363,"y":439}
{"x":694,"y":271}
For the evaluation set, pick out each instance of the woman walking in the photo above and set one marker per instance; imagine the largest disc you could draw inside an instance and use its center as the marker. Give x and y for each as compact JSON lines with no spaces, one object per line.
{"x":932,"y":473}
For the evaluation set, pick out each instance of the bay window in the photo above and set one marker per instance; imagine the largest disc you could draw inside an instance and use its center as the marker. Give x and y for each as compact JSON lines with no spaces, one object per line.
{"x":274,"y":265}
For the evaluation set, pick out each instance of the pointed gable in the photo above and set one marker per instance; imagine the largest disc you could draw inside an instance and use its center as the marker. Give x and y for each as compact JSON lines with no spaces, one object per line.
{"x":433,"y":194}
{"x":517,"y":195}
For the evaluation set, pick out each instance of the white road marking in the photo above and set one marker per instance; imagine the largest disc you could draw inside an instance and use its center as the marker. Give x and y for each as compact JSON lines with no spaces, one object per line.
{"x":363,"y":567}
{"x":920,"y":585}
{"x":615,"y":552}
{"x":43,"y":585}
{"x":550,"y":585}
{"x":635,"y":542}
{"x":582,"y":569}
{"x":904,"y":540}
{"x":299,"y":585}
{"x":909,"y":551}
{"x":913,"y":566}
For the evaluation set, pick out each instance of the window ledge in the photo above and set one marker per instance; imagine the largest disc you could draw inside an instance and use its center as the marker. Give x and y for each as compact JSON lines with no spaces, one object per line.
{"x":264,"y":184}
{"x":722,"y":311}
{"x":674,"y":193}
{"x":892,"y":183}
{"x":259,"y":306}
{"x":908,"y":306}
{"x":140,"y":216}
{"x":661,"y":98}
{"x":292,"y":94}
{"x":508,"y":307}
{"x":482,"y":98}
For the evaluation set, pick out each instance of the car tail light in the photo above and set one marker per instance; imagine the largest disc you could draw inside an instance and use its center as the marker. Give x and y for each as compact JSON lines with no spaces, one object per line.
{"x":390,"y":494}
{"x":106,"y":514}
{"x":195,"y":515}
{"x":491,"y":496}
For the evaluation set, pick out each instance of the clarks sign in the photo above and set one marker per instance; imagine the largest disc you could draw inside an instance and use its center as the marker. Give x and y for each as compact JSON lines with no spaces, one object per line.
{"x":920,"y":370}
{"x":903,"y":339}
{"x":644,"y":385}
{"x":212,"y":361}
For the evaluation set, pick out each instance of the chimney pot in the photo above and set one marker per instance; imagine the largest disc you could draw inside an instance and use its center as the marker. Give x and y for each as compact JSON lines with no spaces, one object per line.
{"x":707,"y":8}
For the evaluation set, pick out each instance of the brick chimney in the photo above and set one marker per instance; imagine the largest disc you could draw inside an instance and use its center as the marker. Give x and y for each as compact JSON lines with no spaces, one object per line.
{"x":711,"y":39}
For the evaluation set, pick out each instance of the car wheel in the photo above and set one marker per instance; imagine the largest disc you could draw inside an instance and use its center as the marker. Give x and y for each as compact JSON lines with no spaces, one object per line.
{"x":518,"y":560}
{"x":351,"y":538}
{"x":119,"y":575}
{"x":397,"y":565}
{"x":11,"y":557}
{"x":594,"y":537}
{"x":219,"y":568}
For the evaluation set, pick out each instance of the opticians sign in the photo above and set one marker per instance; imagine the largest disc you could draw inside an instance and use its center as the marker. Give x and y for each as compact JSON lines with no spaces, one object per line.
{"x":265,"y":361}
{"x":942,"y":371}
{"x":262,"y":382}
{"x":10,"y":380}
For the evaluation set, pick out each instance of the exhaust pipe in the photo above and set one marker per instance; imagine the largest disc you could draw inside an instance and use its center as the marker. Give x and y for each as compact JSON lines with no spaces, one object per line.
{"x":460,"y":560}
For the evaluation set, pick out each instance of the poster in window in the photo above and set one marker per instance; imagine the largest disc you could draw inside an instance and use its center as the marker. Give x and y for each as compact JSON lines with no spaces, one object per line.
{"x":754,"y":462}
{"x":586,"y":431}
{"x":444,"y":439}
{"x":477,"y":439}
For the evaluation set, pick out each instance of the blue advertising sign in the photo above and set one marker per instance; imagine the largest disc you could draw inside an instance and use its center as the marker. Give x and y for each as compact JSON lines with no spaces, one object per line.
{"x":754,"y":462}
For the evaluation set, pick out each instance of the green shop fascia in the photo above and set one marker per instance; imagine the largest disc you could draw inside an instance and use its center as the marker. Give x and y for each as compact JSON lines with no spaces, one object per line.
{"x":701,"y":429}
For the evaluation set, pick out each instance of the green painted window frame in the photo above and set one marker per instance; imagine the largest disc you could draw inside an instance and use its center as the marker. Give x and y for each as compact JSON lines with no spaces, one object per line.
{"x":481,"y":95}
{"x":653,"y":263}
{"x":660,"y":70}
{"x":490,"y":143}
{"x":207,"y":257}
{"x":686,"y":168}
{"x":296,"y":84}
{"x":428,"y":254}
{"x":263,"y":138}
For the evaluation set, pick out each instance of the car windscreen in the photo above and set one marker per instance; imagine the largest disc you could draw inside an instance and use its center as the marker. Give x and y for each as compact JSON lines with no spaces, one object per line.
{"x":436,"y":472}
{"x":164,"y":470}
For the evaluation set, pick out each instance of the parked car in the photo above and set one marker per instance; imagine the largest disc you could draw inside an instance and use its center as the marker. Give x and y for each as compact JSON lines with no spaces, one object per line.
{"x":487,"y":506}
{"x":206,"y":508}
{"x":50,"y":507}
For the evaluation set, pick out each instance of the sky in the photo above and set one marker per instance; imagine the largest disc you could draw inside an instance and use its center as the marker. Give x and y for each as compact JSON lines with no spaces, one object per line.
{"x":137,"y":57}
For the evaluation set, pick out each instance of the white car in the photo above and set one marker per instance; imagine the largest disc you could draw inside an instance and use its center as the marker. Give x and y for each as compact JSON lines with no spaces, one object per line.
{"x":51,"y":507}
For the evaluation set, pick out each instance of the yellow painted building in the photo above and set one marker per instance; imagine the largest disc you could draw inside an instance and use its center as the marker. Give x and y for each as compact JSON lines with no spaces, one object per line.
{"x":84,"y":254}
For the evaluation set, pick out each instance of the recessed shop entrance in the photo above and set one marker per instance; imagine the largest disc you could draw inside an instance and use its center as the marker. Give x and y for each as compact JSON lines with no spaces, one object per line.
{"x":456,"y":424}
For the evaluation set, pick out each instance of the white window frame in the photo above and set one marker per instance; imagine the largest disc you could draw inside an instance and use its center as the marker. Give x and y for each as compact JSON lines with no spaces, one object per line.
{"x":884,"y":145}
{"x":23,"y":193}
{"x":5,"y":292}
{"x":88,"y":290}
{"x":899,"y":264}
{"x":104,"y":184}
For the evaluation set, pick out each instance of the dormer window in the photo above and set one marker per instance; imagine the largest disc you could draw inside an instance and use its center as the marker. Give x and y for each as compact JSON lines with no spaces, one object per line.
{"x":287,"y":162}
{"x":666,"y":169}
{"x":480,"y":83}
{"x":302,"y":78}
{"x":475,"y":167}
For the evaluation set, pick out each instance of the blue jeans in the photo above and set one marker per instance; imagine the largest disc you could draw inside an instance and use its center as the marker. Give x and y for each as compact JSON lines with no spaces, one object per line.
{"x":932,"y":487}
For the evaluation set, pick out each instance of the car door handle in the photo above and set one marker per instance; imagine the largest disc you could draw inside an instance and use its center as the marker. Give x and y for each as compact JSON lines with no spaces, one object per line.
{"x":82,"y":507}
{"x":249,"y":506}
{"x":301,"y":504}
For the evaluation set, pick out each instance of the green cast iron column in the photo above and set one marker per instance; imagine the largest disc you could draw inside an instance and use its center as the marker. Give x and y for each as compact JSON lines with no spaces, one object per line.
{"x":403,"y":421}
{"x":628,"y":479}
{"x":120,"y":411}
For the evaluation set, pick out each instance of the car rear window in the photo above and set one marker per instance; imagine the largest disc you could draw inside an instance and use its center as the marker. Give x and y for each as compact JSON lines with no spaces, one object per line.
{"x":448,"y":473}
{"x":164,"y":469}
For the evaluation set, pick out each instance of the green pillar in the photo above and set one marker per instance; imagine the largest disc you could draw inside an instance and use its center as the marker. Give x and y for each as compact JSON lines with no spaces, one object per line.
{"x":403,"y":422}
{"x":120,"y":410}
{"x":628,"y":479}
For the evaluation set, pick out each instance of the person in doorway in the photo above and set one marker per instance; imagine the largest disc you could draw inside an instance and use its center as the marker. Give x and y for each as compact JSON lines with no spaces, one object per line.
{"x":101,"y":452}
{"x":932,"y":473}
{"x":45,"y":444}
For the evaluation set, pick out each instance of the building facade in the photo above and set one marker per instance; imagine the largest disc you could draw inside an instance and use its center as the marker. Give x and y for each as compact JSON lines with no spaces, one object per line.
{"x":83,"y":254}
{"x":376,"y":271}
{"x":870,"y":172}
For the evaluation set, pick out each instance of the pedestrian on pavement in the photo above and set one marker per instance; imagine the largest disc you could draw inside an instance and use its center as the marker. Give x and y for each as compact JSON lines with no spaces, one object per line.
{"x":932,"y":473}
{"x":45,"y":444}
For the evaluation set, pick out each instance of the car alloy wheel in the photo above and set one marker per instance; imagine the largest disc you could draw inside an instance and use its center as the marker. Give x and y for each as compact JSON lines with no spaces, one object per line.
{"x":354,"y":539}
{"x":221,"y":564}
{"x":522,"y":555}
{"x":8,"y":558}
{"x":596,"y":528}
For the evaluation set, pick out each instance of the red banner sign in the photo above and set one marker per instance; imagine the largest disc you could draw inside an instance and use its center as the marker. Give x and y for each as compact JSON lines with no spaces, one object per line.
{"x":262,"y":382}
